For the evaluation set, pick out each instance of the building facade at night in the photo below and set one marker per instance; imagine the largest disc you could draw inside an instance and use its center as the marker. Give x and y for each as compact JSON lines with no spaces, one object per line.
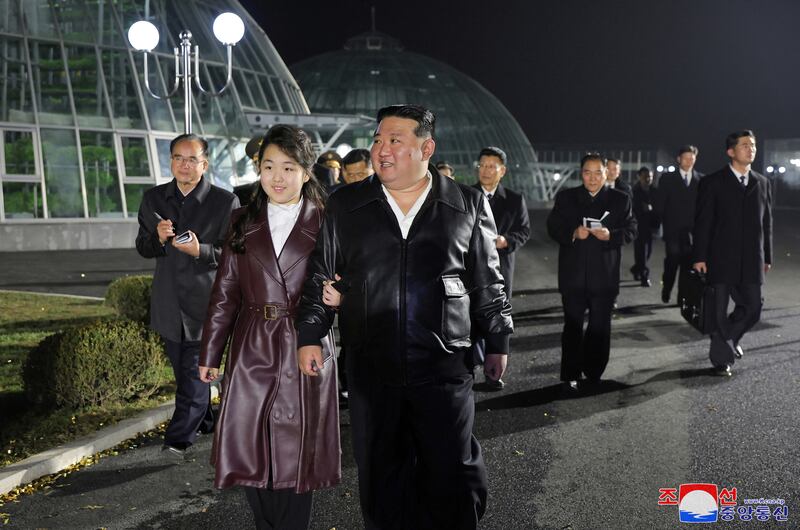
{"x":80,"y":139}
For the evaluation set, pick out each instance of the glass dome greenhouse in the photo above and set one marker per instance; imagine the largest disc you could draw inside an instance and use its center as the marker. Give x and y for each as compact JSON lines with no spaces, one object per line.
{"x":374,"y":70}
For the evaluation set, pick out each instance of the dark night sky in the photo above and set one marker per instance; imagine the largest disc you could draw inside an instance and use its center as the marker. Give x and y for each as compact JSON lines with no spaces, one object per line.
{"x":648,"y":72}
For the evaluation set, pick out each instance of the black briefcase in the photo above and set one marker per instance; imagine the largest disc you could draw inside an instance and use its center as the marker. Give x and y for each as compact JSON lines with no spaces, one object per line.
{"x":697,"y":302}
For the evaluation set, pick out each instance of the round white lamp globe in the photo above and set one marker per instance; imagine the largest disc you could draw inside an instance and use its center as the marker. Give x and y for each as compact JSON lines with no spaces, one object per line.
{"x":143,"y":36}
{"x":228,"y":28}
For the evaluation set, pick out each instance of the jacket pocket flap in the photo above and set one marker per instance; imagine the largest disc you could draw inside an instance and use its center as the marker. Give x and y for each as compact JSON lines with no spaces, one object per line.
{"x":453,"y":286}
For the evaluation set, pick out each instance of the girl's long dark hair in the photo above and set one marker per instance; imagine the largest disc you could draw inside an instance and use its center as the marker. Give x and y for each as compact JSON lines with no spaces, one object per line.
{"x":294,"y":143}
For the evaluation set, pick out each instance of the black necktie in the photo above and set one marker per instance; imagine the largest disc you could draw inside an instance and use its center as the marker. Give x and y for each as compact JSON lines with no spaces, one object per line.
{"x":741,"y":179}
{"x":489,"y":196}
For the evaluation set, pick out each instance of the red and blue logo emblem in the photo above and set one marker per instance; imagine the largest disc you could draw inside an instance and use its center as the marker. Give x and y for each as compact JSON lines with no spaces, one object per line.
{"x":697,"y":503}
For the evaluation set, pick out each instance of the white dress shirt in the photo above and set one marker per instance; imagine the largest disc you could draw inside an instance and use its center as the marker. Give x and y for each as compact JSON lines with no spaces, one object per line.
{"x":282,"y":218}
{"x":686,"y":176}
{"x":405,"y":220}
{"x":740,"y":175}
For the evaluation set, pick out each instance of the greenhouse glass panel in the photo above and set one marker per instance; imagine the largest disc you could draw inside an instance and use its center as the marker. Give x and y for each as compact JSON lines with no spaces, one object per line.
{"x":23,"y":200}
{"x":15,"y":96}
{"x":61,"y":173}
{"x":100,"y":174}
{"x":19,"y":153}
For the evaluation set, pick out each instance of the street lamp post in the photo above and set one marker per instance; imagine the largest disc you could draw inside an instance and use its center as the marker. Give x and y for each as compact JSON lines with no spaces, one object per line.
{"x":143,"y":36}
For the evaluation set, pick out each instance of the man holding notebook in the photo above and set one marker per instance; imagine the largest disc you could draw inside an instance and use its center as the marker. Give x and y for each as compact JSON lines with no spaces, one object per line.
{"x":590,"y":223}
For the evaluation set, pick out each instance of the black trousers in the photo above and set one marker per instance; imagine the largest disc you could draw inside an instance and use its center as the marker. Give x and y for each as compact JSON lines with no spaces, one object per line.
{"x":280,"y":509}
{"x":678,"y":256}
{"x":585,"y":352}
{"x":419,"y":465}
{"x":642,"y":249}
{"x":192,"y":398}
{"x":732,"y":327}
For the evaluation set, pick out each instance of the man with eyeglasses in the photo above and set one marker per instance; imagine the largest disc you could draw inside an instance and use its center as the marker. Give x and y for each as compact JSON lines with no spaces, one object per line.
{"x":513,"y":225}
{"x":183,"y":224}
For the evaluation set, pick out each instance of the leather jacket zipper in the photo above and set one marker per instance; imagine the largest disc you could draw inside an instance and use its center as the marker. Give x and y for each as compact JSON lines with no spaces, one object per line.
{"x":403,"y":335}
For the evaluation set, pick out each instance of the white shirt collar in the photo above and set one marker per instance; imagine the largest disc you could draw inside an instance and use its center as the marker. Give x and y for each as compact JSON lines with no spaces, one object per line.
{"x":487,"y":192}
{"x":282,"y":218}
{"x":405,"y":220}
{"x":740,"y":175}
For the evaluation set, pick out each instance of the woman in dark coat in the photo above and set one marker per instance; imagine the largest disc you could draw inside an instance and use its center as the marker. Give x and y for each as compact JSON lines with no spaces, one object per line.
{"x":278,"y":430}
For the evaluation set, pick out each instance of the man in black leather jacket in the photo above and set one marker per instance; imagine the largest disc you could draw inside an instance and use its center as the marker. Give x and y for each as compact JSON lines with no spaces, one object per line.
{"x":418,"y":262}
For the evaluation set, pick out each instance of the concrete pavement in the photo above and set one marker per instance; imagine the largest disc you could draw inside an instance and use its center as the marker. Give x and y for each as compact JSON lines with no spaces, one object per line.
{"x":596,"y":461}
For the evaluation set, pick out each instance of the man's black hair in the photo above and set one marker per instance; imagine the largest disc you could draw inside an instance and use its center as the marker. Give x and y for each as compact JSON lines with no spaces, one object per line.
{"x":733,"y":138}
{"x":594,"y":156}
{"x":688,"y":148}
{"x":426,"y":121}
{"x":189,"y":138}
{"x":355,"y":156}
{"x":494,"y":151}
{"x":611,"y":159}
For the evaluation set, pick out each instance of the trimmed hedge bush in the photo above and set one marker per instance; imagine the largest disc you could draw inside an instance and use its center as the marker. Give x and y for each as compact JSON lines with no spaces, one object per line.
{"x":129,"y":296}
{"x":95,"y":364}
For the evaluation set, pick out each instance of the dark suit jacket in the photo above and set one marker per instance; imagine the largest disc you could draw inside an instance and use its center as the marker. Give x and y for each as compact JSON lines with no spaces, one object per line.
{"x":733,"y":227}
{"x":675,"y":205}
{"x":643,"y":208}
{"x":511,"y":217}
{"x":590,"y":266}
{"x":623,"y":186}
{"x":181,"y":283}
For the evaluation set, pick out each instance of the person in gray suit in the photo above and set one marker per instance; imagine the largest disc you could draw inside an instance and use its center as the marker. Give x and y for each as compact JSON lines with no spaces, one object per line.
{"x":183,"y":225}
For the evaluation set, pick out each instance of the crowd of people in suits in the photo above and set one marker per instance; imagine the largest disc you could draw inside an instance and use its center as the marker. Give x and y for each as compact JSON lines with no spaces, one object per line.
{"x":718,"y":227}
{"x":418,"y":269}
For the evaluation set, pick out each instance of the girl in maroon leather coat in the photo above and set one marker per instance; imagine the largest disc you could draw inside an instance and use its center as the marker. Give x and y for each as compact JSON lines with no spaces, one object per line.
{"x":278,"y":430}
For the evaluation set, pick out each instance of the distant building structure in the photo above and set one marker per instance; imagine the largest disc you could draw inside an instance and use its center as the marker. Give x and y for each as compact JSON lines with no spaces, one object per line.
{"x":374,"y":70}
{"x":80,"y":139}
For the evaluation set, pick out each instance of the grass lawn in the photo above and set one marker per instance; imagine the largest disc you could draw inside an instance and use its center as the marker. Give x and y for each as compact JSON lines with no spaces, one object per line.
{"x":25,"y":319}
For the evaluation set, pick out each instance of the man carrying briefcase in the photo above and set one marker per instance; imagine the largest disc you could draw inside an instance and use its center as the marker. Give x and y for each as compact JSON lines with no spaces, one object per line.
{"x":733,"y":245}
{"x":697,"y":301}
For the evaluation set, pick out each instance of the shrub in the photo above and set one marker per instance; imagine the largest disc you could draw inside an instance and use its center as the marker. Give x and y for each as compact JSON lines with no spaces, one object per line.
{"x":95,"y":364}
{"x":129,"y":296}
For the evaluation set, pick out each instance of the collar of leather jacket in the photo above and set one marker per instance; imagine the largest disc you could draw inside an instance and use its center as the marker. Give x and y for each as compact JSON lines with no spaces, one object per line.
{"x":443,"y":189}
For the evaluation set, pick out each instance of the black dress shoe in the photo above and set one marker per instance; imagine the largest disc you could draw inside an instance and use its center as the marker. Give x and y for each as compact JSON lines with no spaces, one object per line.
{"x":570,"y":387}
{"x":646,"y":282}
{"x":492,"y":385}
{"x":665,"y":296}
{"x":738,"y":352}
{"x":174,"y":453}
{"x":723,"y":371}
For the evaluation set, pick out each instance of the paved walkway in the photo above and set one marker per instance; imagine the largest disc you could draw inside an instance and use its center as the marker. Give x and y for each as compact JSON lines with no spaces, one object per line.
{"x":595,"y":462}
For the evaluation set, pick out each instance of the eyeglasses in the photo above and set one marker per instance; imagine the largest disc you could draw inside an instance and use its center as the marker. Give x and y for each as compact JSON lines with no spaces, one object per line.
{"x":191,"y":161}
{"x":488,"y":166}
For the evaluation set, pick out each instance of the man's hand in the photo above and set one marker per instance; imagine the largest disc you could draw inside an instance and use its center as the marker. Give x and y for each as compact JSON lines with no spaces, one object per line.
{"x":580,"y":233}
{"x":495,"y":365}
{"x":700,"y":267}
{"x":601,"y":233}
{"x":207,"y":375}
{"x":190,"y":247}
{"x":501,"y":242}
{"x":309,"y":358}
{"x":165,"y":230}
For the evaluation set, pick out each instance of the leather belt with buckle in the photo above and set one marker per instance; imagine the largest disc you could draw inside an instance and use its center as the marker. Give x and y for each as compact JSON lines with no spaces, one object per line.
{"x":272,"y":311}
